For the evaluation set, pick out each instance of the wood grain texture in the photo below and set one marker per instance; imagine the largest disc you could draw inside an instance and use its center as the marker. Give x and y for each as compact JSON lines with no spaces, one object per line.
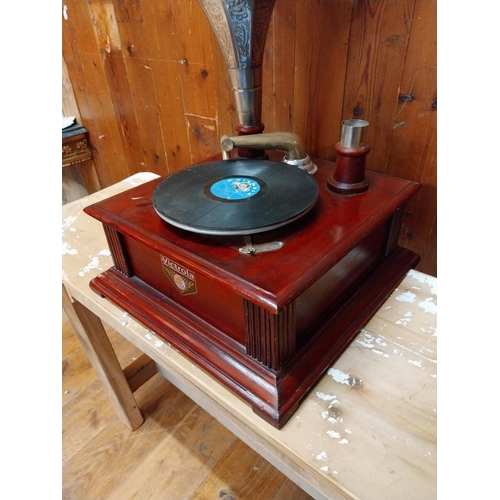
{"x":179,"y":453}
{"x":91,"y":333}
{"x":321,"y":43}
{"x":152,"y":88}
{"x":414,"y":134}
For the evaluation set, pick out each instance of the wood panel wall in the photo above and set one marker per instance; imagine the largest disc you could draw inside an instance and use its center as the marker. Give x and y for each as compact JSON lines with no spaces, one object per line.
{"x":150,"y":85}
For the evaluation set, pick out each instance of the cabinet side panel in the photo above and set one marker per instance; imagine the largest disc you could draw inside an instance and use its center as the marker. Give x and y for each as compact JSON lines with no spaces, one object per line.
{"x":210,"y":301}
{"x":326,"y":294}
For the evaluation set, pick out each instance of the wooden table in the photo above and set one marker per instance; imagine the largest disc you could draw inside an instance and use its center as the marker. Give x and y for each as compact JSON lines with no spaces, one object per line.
{"x":366,"y":431}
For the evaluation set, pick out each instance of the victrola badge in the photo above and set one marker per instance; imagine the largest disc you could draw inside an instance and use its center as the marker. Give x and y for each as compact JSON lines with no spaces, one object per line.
{"x":182,"y":278}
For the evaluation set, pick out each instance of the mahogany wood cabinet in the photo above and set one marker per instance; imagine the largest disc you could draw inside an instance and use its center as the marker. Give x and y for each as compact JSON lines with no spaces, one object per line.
{"x":266,"y":325}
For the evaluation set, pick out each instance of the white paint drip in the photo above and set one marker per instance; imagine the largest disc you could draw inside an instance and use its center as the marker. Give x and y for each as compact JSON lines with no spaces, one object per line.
{"x":67,"y":250}
{"x":333,"y":434}
{"x":125,"y":319}
{"x":416,"y":363}
{"x":327,"y":397}
{"x":405,"y":320}
{"x":324,"y":416}
{"x":367,"y":341}
{"x":426,"y":279}
{"x":406,"y":297}
{"x":322,"y":456}
{"x":340,"y":377}
{"x":428,"y":305}
{"x":336,"y":435}
{"x":370,"y":342}
{"x":94,"y":264}
{"x":381,"y":353}
{"x":68,"y":221}
{"x":324,"y":469}
{"x":105,"y":253}
{"x":426,"y":349}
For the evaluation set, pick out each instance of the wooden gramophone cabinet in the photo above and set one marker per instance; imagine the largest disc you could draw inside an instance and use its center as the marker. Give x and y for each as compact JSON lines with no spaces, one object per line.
{"x":265,"y":325}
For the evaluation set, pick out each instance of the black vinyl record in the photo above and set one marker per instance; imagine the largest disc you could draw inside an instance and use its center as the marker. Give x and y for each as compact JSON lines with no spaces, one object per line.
{"x":233,"y":197}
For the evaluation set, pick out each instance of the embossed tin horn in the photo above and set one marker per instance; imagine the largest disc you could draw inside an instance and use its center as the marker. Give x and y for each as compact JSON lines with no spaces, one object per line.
{"x":241,"y":28}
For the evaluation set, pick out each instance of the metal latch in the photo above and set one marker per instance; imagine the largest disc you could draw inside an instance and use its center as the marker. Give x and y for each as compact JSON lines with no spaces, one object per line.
{"x":251,"y":249}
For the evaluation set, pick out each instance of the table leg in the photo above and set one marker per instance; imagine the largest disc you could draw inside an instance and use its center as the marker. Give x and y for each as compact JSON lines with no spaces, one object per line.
{"x":95,"y":341}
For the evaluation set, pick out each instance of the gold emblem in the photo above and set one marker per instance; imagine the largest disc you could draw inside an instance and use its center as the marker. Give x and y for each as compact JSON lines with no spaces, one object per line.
{"x":181,"y":277}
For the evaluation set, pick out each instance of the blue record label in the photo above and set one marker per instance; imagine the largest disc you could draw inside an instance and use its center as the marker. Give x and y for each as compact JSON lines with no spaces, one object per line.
{"x":235,"y":188}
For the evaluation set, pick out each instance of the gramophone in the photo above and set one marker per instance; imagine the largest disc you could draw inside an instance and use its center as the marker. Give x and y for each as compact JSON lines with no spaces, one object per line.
{"x":262,"y":264}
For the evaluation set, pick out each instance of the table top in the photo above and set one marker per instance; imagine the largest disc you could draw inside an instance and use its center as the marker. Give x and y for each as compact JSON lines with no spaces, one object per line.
{"x":367,"y":430}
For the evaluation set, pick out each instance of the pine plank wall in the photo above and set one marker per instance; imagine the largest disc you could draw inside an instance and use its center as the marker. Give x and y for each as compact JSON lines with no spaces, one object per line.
{"x":147,"y":79}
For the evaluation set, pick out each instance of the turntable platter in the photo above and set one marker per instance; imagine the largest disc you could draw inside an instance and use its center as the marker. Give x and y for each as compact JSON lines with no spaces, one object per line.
{"x":235,"y":197}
